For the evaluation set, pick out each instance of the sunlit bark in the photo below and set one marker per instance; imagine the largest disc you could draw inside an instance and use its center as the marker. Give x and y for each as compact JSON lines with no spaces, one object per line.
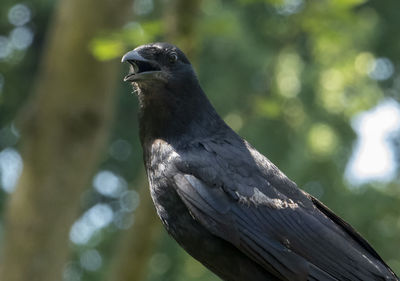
{"x":64,"y":127}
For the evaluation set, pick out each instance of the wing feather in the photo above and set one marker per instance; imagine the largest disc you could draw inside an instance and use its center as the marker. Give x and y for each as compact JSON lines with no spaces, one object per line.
{"x":254,"y":206}
{"x":287,"y":239}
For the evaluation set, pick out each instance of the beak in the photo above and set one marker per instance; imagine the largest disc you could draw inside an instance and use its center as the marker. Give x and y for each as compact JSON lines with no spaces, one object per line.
{"x":132,"y":56}
{"x":141,"y":68}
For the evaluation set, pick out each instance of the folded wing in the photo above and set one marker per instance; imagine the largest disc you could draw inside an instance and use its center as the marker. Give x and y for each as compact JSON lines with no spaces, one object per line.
{"x":282,"y":235}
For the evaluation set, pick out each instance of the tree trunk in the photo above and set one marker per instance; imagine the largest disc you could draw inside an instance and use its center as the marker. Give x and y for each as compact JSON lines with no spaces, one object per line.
{"x":64,"y":128}
{"x":180,"y":19}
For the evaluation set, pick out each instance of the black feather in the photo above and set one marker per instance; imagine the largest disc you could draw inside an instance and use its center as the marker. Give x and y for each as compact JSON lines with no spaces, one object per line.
{"x":224,"y":202}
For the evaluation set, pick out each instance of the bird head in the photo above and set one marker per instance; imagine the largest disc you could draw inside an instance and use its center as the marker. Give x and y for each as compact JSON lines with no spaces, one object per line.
{"x":155,"y":64}
{"x":170,"y":96}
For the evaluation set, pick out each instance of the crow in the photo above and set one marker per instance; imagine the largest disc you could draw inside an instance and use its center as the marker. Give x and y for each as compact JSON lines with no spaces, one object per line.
{"x":224,"y":202}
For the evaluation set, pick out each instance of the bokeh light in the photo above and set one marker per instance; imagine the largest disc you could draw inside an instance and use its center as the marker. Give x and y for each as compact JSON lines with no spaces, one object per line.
{"x":234,"y":120}
{"x":364,"y":62}
{"x":10,"y":168}
{"x":109,"y":184}
{"x":123,"y":220}
{"x":19,"y":15}
{"x":289,"y":7}
{"x":5,"y":47}
{"x":322,"y":140}
{"x":120,"y":149}
{"x":21,"y":38}
{"x":94,"y":219}
{"x":373,"y":158}
{"x":129,"y":200}
{"x":91,"y":260}
{"x":288,"y":74}
{"x":381,"y":69}
{"x":332,"y":80}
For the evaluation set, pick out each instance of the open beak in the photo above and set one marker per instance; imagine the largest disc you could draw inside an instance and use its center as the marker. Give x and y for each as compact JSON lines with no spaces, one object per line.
{"x":141,"y":68}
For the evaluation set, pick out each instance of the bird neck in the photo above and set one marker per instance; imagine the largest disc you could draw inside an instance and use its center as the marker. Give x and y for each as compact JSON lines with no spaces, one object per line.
{"x":177,"y":114}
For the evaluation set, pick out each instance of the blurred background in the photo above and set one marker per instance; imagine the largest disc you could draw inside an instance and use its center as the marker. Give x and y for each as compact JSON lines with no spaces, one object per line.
{"x":314,"y":85}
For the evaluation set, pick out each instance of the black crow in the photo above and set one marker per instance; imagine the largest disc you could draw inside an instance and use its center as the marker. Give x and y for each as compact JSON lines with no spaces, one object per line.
{"x":225,"y":203}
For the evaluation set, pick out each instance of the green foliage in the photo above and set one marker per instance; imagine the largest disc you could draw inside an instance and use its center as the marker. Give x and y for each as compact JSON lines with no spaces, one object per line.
{"x":113,"y":44}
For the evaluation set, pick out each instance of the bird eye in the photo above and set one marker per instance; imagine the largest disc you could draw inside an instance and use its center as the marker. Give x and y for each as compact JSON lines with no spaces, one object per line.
{"x":172,"y":57}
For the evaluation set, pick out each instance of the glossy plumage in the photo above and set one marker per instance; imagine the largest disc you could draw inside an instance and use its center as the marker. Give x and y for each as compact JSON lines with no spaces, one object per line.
{"x":226,"y":204}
